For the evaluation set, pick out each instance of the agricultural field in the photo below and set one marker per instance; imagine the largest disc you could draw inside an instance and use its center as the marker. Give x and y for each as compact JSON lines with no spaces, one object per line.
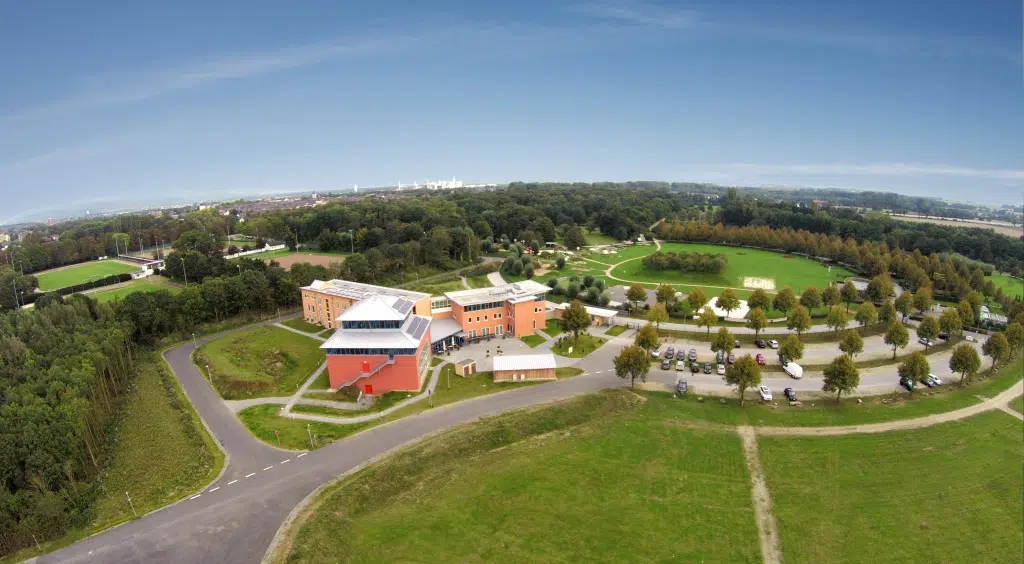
{"x":287,"y":260}
{"x":610,"y":479}
{"x":149,"y":284}
{"x":260,"y":362}
{"x":1011,"y":286}
{"x":81,"y":273}
{"x":999,"y":227}
{"x":746,"y":266}
{"x":948,"y":493}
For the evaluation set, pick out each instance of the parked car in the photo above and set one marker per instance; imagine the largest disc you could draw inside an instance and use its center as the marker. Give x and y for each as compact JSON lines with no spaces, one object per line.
{"x":794,"y":370}
{"x":693,"y":355}
{"x":731,"y":358}
{"x":766,"y":394}
{"x":790,"y":394}
{"x":671,"y":352}
{"x":656,"y":353}
{"x":719,"y":357}
{"x":926,"y":342}
{"x":680,"y":354}
{"x":694,"y":367}
{"x":944,"y":336}
{"x":773,"y":344}
{"x":971,"y":338}
{"x":736,"y":344}
{"x":932,"y":380}
{"x":908,"y":384}
{"x":760,"y":343}
{"x":666,"y":364}
{"x":707,"y":368}
{"x":760,"y":359}
{"x":721,"y":369}
{"x":680,"y":366}
{"x":681,"y":387}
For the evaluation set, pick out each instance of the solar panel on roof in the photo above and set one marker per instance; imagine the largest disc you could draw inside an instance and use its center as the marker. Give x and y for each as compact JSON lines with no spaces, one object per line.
{"x":403,"y":306}
{"x":418,"y":326}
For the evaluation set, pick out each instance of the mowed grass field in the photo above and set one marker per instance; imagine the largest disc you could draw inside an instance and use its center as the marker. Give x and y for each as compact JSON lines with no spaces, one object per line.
{"x":260,"y":362}
{"x":1011,"y":286}
{"x":149,"y":284}
{"x":948,"y":493}
{"x":797,"y":272}
{"x":599,"y":478}
{"x":80,"y":273}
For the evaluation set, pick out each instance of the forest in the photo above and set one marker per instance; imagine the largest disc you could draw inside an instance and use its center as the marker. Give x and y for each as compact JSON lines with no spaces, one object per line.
{"x":707,"y":263}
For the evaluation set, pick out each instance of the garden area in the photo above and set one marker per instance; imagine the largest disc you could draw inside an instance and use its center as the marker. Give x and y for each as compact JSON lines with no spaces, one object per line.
{"x":260,"y":362}
{"x":587,"y":344}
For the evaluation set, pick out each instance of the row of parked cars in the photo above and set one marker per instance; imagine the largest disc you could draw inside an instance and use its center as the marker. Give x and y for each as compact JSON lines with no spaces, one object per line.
{"x":764,"y":391}
{"x":931,"y":381}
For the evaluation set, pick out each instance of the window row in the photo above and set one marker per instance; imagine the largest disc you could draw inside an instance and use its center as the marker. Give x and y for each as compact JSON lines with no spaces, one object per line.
{"x":390,"y":324}
{"x":478,"y":307}
{"x":367,"y":352}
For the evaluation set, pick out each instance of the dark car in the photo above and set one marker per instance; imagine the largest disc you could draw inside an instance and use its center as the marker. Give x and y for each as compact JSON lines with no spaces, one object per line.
{"x":666,"y":364}
{"x":680,"y":354}
{"x":681,"y":387}
{"x":908,"y":384}
{"x":707,"y":368}
{"x":731,"y":359}
{"x":720,"y":357}
{"x":693,"y":355}
{"x":671,"y":352}
{"x":760,"y":343}
{"x":736,"y":344}
{"x":944,"y":335}
{"x":790,"y":394}
{"x":694,"y":367}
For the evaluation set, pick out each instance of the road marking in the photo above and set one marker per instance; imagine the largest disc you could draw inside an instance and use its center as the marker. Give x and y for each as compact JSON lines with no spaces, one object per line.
{"x":268,"y":467}
{"x":195,"y":496}
{"x":214,"y":489}
{"x":285,"y":461}
{"x":301,"y":455}
{"x":232,"y":482}
{"x":250,"y":475}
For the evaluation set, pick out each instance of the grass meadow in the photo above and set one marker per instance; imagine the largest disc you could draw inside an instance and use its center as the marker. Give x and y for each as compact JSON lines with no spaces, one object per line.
{"x":81,"y":273}
{"x":260,"y":362}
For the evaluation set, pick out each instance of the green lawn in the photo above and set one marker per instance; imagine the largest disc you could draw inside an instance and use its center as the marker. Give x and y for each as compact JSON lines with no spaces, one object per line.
{"x":439,"y":288}
{"x":149,"y":284}
{"x":263,"y":422}
{"x":615,"y":331}
{"x":260,"y":362}
{"x":797,"y":272}
{"x":587,"y":344}
{"x":533,"y":340}
{"x":1018,"y":404}
{"x":553,"y":328}
{"x":599,"y":478}
{"x":948,"y":493}
{"x":303,"y":325}
{"x":479,"y":281}
{"x":78,"y":274}
{"x":597,"y":238}
{"x":1013,"y":287}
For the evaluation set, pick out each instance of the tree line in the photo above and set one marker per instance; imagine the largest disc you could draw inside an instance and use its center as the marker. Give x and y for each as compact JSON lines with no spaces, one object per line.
{"x":707,"y":263}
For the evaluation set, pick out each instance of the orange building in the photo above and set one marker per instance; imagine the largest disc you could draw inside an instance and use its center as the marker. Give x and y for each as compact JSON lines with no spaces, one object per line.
{"x":518,"y":309}
{"x":323,"y":302}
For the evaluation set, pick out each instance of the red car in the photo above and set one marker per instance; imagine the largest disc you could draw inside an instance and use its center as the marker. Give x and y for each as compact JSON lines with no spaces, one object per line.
{"x":760,"y":359}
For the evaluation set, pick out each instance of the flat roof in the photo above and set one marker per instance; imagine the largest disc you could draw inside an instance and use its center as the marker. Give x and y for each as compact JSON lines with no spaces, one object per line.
{"x":515,"y":292}
{"x":444,"y":327}
{"x":378,"y":308}
{"x":596,"y":311}
{"x":408,"y":336}
{"x":359,"y":291}
{"x":524,"y":362}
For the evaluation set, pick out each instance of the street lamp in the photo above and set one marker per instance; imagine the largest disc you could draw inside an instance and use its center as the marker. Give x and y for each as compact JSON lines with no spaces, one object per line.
{"x":194,"y":345}
{"x":185,"y":272}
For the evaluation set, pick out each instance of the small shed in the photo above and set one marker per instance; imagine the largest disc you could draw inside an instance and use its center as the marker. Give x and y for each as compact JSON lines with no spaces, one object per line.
{"x":465,"y":367}
{"x":524,"y":367}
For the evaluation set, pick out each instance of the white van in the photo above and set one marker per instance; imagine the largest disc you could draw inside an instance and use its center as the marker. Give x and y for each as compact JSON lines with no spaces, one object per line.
{"x":794,"y":370}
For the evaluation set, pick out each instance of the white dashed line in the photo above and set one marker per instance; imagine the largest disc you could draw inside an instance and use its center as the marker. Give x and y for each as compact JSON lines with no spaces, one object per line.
{"x":285,"y":461}
{"x":250,"y":475}
{"x":214,"y":489}
{"x":195,"y":496}
{"x":301,"y":455}
{"x":268,"y":467}
{"x":232,"y":482}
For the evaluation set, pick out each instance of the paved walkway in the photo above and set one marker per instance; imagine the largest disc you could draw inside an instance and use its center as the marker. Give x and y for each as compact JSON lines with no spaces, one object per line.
{"x":238,"y":405}
{"x":465,"y":284}
{"x":495,"y":279}
{"x":297,"y":332}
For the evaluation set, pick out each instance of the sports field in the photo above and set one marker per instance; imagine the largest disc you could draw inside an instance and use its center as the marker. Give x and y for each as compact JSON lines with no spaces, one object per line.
{"x":948,"y":493}
{"x":600,"y":478}
{"x":748,"y":268}
{"x":81,"y":273}
{"x":260,"y":362}
{"x":1011,"y":286}
{"x":150,"y":284}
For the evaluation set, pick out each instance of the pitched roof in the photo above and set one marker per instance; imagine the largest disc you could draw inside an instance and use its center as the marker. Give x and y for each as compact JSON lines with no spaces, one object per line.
{"x":524,"y":362}
{"x":374,"y":308}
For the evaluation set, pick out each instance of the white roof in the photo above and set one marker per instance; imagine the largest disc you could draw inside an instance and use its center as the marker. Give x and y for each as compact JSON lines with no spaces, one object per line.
{"x":443,"y":327}
{"x":595,"y":311}
{"x":359,"y":291}
{"x":515,"y":292}
{"x":402,"y":338}
{"x":524,"y":362}
{"x":378,"y":308}
{"x":738,"y":314}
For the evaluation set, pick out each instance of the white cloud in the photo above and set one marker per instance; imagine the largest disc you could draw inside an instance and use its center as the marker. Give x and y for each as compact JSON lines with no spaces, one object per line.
{"x":870,"y":169}
{"x":639,"y":13}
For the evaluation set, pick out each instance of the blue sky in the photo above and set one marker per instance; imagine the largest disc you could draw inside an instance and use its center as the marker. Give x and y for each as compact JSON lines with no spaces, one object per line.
{"x":116,"y":104}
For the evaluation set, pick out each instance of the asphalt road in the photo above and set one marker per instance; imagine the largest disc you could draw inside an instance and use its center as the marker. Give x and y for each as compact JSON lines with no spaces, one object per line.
{"x":234,"y":520}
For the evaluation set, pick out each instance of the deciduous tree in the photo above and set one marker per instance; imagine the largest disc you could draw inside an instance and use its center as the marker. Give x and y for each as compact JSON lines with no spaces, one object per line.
{"x":785,"y":300}
{"x":923,"y":298}
{"x":657,"y":314}
{"x":950,"y":322}
{"x":837,"y":318}
{"x":647,"y":338}
{"x":841,"y":376}
{"x":707,"y":318}
{"x":831,"y":296}
{"x":759,"y":299}
{"x":757,"y":321}
{"x":696,"y":299}
{"x":880,"y":288}
{"x":744,"y":373}
{"x":887,"y":313}
{"x":799,"y":320}
{"x":723,"y":341}
{"x":665,"y":294}
{"x":852,"y":343}
{"x":904,"y":304}
{"x":636,"y":295}
{"x":632,"y":362}
{"x":997,"y":348}
{"x":965,"y":361}
{"x":575,"y":320}
{"x":866,"y":314}
{"x":811,"y":298}
{"x":792,"y":348}
{"x":915,"y":368}
{"x":1015,"y":337}
{"x":727,"y":301}
{"x":928,"y":330}
{"x":896,"y":337}
{"x":849,"y":293}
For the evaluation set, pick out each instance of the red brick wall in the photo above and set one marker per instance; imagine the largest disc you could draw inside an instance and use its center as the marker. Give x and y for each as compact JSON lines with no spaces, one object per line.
{"x":402,"y":376}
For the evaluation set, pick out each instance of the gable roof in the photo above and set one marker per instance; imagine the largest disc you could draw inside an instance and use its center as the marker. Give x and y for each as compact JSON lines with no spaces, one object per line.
{"x":375,"y":308}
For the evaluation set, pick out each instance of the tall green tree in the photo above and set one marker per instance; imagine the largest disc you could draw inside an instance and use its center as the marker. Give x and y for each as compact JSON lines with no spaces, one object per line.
{"x":915,"y":368}
{"x":923,"y":299}
{"x":1015,"y":337}
{"x":849,"y":293}
{"x":852,"y":343}
{"x":785,"y":300}
{"x":896,"y":337}
{"x":831,"y":296}
{"x":792,"y":348}
{"x":968,"y":315}
{"x":811,"y":298}
{"x":647,"y":338}
{"x":950,"y":322}
{"x":575,"y":320}
{"x":632,"y":362}
{"x":759,"y":299}
{"x":965,"y":361}
{"x":799,"y":320}
{"x":707,"y":318}
{"x":574,"y":239}
{"x":696,"y":298}
{"x":904,"y":304}
{"x":727,"y":301}
{"x":665,"y":294}
{"x":657,"y":315}
{"x":880,"y":288}
{"x":636,"y":295}
{"x":723,"y":342}
{"x":841,"y":376}
{"x":836,"y":319}
{"x":887,"y":313}
{"x":757,"y":321}
{"x":997,"y":348}
{"x":866,"y":314}
{"x":744,"y":373}
{"x":928,"y":329}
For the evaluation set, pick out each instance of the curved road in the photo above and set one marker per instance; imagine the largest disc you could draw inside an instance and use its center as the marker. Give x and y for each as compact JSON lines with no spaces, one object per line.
{"x":234,"y":519}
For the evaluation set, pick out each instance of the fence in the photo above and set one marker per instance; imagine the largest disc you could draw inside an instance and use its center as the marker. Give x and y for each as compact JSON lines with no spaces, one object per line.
{"x":266,"y":249}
